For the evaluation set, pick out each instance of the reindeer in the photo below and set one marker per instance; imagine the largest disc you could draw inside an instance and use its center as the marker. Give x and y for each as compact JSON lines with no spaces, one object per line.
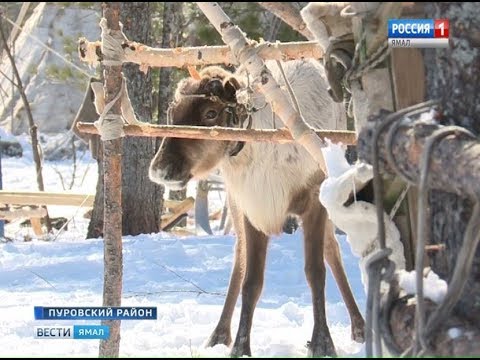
{"x":265,"y":182}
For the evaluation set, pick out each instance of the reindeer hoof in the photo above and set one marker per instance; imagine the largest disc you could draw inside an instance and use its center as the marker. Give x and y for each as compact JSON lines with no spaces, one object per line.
{"x":219,"y":336}
{"x":321,"y":349}
{"x":358,"y":330}
{"x":240,"y":350}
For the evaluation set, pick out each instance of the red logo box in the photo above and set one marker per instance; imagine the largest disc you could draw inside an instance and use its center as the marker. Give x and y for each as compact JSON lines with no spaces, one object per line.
{"x":442,"y":27}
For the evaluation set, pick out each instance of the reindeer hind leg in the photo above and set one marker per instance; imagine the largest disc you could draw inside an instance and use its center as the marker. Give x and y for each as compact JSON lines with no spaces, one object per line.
{"x":334,"y":260}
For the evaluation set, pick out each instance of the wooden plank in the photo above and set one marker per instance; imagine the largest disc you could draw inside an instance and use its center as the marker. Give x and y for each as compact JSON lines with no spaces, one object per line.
{"x":46,"y":198}
{"x":182,"y":208}
{"x":22,"y":213}
{"x":408,"y":77}
{"x":408,"y":73}
{"x":171,"y":204}
{"x":57,"y":198}
{"x":36,"y":226}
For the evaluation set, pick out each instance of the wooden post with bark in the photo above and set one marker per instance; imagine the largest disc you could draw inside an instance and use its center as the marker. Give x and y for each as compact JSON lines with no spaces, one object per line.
{"x":452,"y":77}
{"x":112,"y":165}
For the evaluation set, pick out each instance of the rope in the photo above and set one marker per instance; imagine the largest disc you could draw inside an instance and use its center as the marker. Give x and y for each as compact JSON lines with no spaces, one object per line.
{"x":112,"y":41}
{"x":399,"y":201}
{"x":348,"y":12}
{"x":420,"y":343}
{"x":375,"y":264}
{"x":379,"y":260}
{"x":110,"y":126}
{"x":289,"y":88}
{"x":298,"y":128}
{"x":357,"y":71}
{"x":48,"y":48}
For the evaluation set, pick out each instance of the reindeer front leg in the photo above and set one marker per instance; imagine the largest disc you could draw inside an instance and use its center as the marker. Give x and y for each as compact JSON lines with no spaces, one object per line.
{"x":256,"y":242}
{"x":222,"y":334}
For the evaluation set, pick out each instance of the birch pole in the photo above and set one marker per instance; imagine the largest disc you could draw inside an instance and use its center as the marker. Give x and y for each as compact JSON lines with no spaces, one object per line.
{"x":112,"y":225}
{"x":281,"y":136}
{"x":180,"y":57}
{"x":246,"y":55}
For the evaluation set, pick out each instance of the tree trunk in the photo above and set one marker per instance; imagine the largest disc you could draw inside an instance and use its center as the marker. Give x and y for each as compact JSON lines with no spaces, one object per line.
{"x":173,"y":20}
{"x":453,"y":75}
{"x":95,"y":226}
{"x":142,"y":199}
{"x":112,"y":165}
{"x":171,"y":37}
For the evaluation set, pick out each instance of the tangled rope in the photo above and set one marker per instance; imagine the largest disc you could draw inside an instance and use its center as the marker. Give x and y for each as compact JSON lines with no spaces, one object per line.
{"x":465,"y":256}
{"x":379,"y":266}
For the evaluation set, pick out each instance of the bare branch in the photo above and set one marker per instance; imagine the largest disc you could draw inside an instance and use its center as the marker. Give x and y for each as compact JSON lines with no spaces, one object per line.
{"x":289,"y":15}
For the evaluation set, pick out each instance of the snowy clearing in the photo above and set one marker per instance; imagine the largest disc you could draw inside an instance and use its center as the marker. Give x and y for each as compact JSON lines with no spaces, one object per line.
{"x":185,"y":277}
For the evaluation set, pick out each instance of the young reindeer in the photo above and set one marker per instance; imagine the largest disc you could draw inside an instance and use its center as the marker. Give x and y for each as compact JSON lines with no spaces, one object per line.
{"x":265,"y":182}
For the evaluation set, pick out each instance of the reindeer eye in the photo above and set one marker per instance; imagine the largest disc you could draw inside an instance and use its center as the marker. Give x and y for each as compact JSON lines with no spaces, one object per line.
{"x":211,"y":114}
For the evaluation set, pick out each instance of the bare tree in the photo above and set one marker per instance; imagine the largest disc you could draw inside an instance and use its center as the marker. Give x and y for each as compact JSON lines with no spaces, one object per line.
{"x":142,"y":200}
{"x":33,"y":127}
{"x":173,"y":21}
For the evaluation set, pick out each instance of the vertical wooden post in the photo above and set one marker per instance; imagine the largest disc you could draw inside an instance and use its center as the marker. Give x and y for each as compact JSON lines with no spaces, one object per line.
{"x":112,"y":150}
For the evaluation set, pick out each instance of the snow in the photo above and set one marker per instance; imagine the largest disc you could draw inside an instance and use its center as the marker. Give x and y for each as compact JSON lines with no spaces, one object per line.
{"x":359,"y":219}
{"x":434,"y":288}
{"x":160,"y":270}
{"x":454,"y":333}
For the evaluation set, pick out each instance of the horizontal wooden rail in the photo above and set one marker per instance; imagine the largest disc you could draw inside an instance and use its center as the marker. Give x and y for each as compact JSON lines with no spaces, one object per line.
{"x":22,"y":213}
{"x":46,"y":198}
{"x":56,"y":198}
{"x":220,"y":133}
{"x":144,"y":55}
{"x":176,"y":211}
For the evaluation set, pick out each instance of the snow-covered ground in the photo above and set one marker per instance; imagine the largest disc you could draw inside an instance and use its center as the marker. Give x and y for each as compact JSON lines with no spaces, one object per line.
{"x":185,"y":277}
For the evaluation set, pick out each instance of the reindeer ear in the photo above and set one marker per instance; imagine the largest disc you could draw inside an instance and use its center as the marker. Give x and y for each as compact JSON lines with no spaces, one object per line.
{"x":215,"y":87}
{"x":231,"y":87}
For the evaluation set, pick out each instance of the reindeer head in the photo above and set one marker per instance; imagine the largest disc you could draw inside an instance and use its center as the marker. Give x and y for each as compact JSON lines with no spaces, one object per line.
{"x":209,"y":100}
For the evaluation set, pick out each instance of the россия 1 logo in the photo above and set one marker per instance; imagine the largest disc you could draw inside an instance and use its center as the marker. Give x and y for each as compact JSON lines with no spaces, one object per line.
{"x":418,"y":33}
